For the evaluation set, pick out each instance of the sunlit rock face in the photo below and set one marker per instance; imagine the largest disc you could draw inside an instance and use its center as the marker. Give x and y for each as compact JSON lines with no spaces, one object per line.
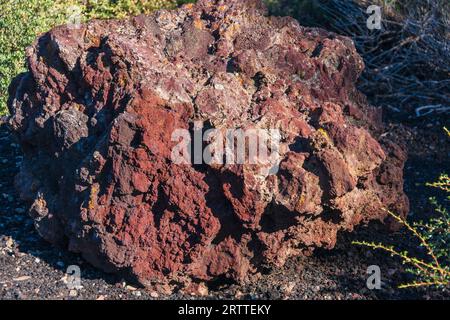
{"x":96,"y":112}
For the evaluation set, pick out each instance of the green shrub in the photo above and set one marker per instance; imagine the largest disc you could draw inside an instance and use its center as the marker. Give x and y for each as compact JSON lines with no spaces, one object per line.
{"x":22,"y":20}
{"x":433,"y":236}
{"x":105,"y":9}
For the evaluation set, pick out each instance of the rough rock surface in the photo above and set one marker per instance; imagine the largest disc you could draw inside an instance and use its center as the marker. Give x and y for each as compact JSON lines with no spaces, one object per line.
{"x":95,"y":116}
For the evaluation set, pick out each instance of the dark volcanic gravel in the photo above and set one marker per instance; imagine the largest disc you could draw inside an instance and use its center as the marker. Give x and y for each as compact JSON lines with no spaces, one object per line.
{"x":32,"y":269}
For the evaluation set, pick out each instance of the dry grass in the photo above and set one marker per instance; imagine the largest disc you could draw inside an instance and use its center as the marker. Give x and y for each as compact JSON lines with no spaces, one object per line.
{"x":407,"y":61}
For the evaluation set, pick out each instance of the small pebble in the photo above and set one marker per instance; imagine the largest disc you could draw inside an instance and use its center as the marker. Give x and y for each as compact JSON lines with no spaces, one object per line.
{"x":23,"y":278}
{"x":9,"y":242}
{"x":137,"y":293}
{"x":73,"y":293}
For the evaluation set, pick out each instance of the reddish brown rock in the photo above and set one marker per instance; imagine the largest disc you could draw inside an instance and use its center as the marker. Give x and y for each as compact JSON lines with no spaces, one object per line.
{"x":95,"y":115}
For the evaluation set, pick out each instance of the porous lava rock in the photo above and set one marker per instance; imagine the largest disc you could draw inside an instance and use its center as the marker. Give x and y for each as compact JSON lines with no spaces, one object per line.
{"x":96,"y":111}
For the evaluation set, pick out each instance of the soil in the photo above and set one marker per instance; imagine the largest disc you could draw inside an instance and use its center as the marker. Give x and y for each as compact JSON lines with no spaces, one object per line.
{"x":30,"y":268}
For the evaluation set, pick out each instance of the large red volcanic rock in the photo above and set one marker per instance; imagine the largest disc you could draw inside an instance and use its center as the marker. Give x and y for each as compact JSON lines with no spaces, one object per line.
{"x":96,"y":112}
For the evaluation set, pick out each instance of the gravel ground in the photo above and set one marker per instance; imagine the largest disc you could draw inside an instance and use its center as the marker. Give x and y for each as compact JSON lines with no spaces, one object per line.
{"x":30,"y":268}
